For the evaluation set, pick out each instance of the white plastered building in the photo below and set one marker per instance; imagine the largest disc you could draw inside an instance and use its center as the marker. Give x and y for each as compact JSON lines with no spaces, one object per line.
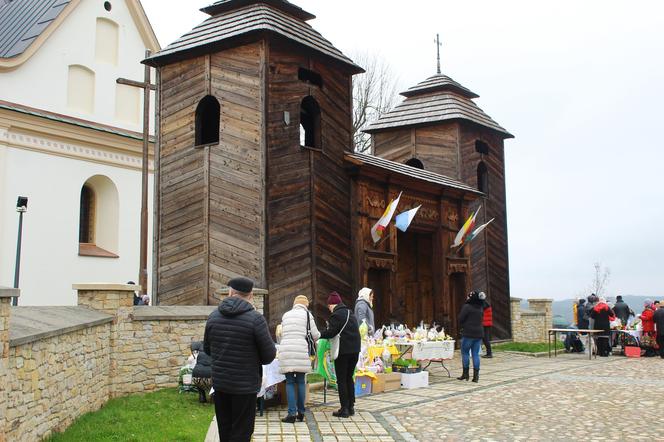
{"x":70,"y":141}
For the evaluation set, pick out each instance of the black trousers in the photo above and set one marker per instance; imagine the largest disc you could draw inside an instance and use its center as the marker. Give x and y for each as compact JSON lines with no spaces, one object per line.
{"x":486,"y":339}
{"x":660,"y":342}
{"x":236,"y":414}
{"x":344,"y":367}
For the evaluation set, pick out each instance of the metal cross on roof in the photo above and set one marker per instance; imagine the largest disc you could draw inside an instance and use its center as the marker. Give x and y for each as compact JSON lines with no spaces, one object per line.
{"x":438,"y":45}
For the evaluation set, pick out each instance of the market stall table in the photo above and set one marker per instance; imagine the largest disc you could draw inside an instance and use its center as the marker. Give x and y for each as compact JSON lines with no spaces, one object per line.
{"x":431,"y":351}
{"x":555,"y":331}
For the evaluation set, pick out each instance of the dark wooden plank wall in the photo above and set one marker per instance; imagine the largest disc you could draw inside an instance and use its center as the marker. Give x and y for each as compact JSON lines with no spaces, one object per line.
{"x":289,"y":238}
{"x":236,"y":168}
{"x":436,"y":147}
{"x":182,"y":239}
{"x":308,"y":242}
{"x":332,"y":189}
{"x":489,"y":251}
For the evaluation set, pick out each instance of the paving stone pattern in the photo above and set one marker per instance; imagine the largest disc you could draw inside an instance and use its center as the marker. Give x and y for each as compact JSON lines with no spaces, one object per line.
{"x":517,"y":398}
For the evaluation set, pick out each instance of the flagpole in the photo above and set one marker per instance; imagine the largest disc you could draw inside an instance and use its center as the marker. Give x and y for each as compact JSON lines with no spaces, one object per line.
{"x":382,"y":240}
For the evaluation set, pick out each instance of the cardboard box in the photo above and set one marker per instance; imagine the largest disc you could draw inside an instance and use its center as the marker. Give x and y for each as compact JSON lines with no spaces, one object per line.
{"x":362,"y":386}
{"x":415,"y":380}
{"x":386,"y":382}
{"x":633,"y":352}
{"x":281,"y":391}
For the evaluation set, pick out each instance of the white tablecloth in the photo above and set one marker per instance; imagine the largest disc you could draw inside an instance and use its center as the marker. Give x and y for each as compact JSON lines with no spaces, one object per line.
{"x":271,"y":376}
{"x":431,"y":350}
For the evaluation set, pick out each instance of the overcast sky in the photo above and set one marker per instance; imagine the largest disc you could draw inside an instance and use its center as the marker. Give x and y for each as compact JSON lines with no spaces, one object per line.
{"x":580,"y":85}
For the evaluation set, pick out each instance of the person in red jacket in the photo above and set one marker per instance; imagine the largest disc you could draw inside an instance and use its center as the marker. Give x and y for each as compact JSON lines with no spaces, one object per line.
{"x":648,"y":332}
{"x":487,"y":323}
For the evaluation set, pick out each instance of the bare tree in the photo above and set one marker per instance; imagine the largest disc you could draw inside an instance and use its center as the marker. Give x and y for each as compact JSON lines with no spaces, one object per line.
{"x":374,"y":93}
{"x":600,"y":279}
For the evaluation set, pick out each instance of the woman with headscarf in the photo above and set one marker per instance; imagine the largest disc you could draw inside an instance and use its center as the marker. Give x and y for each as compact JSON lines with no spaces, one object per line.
{"x":294,"y":359}
{"x":364,"y":308}
{"x":602,"y":314}
{"x":472,"y":332}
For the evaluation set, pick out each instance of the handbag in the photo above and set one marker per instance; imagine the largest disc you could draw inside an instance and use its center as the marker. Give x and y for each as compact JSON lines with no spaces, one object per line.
{"x":334,"y":342}
{"x":311,"y":344}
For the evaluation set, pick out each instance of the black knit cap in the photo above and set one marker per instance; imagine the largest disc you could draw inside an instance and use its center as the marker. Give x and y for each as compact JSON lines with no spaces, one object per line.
{"x":241,"y":284}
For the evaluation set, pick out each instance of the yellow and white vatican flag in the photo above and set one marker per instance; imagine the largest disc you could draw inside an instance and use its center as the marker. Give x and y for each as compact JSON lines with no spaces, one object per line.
{"x":378,"y":230}
{"x":466,"y":229}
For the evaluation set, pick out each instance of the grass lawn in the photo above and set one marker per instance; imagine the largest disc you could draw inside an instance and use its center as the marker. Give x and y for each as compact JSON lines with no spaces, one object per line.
{"x":526,"y":347}
{"x":313,"y":378}
{"x":165,"y":415}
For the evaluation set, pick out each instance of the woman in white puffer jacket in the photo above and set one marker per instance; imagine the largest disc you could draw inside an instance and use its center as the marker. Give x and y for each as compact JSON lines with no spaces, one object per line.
{"x":293,"y":355}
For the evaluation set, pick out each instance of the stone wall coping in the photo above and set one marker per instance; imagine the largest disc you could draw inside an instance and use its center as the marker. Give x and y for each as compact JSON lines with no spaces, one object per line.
{"x":172,"y":313}
{"x":257,"y":291}
{"x":540,"y":300}
{"x":30,"y":324}
{"x":532,"y":313}
{"x":8,"y":292}
{"x":516,"y":299}
{"x":104,"y":286}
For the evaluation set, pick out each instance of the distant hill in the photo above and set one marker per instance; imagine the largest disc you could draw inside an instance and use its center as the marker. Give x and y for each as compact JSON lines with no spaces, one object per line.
{"x":563,"y":308}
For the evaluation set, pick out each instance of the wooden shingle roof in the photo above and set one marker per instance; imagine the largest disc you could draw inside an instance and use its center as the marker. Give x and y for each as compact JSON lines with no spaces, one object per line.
{"x":222,"y":6}
{"x":436,"y":83}
{"x":409,"y":171}
{"x":22,"y":21}
{"x":437,"y":99}
{"x":224,"y":28}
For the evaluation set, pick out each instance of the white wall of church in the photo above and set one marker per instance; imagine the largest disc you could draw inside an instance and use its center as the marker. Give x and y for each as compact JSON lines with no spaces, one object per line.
{"x":84,"y":39}
{"x":50,"y":263}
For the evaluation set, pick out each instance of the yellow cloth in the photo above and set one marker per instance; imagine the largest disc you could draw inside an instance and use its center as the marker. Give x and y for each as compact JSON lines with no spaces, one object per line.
{"x":367,"y":373}
{"x":376,"y":351}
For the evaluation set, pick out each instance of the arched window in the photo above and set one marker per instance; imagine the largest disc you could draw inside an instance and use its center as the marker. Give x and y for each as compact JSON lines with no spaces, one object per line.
{"x":414,"y":162}
{"x":98,"y":218}
{"x":207,"y":121}
{"x":310,"y":123}
{"x":86,"y":223}
{"x":482,"y":178}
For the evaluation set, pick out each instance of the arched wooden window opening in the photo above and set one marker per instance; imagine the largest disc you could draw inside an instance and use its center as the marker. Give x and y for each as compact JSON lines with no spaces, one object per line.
{"x":86,"y":224}
{"x":414,"y":162}
{"x":310,"y":135}
{"x":207,"y":121}
{"x":482,"y":178}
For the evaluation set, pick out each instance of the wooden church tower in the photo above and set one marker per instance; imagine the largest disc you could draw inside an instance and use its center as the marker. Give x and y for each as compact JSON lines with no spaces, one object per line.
{"x":254,"y":116}
{"x":438,"y":128}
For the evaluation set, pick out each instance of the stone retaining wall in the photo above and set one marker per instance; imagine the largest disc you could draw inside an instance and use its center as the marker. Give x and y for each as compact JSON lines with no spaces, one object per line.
{"x":531,"y":325}
{"x":49,"y":379}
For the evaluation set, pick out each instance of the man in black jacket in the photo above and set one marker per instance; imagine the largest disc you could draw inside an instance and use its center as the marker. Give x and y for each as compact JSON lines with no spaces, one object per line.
{"x":658,"y":317}
{"x":239,"y":342}
{"x":621,"y":309}
{"x":343,"y":321}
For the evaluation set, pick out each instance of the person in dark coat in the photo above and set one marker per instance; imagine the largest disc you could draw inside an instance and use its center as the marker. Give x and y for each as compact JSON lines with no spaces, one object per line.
{"x":603,"y":315}
{"x":343,"y":321}
{"x":587,"y":309}
{"x":472,"y":332}
{"x":621,"y":309}
{"x":658,"y":318}
{"x":487,"y":323}
{"x":239,"y":342}
{"x":582,"y":321}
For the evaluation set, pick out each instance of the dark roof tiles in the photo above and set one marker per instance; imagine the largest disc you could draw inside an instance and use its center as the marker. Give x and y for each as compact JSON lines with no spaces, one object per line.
{"x":436,"y":83}
{"x":412,"y":172}
{"x":22,"y":21}
{"x":236,"y":23}
{"x":432,"y":109}
{"x":229,"y":5}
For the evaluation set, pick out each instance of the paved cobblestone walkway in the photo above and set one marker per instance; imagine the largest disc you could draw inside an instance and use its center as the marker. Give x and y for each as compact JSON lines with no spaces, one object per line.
{"x":517,"y":398}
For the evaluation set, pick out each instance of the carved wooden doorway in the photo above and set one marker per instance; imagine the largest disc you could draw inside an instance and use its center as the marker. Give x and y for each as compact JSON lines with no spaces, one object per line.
{"x":415,"y":278}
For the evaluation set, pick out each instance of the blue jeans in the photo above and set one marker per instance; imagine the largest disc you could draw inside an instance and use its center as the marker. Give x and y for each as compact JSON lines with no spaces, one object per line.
{"x":291,"y":380}
{"x":470,"y":345}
